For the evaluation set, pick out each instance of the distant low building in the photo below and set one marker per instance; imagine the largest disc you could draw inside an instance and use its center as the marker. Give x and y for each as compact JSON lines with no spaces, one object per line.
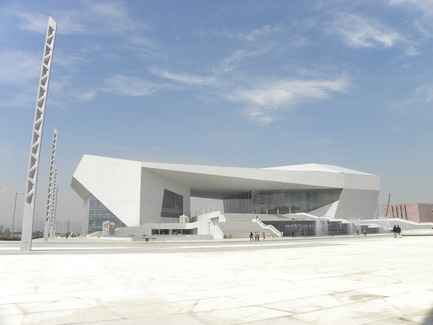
{"x":416,"y":212}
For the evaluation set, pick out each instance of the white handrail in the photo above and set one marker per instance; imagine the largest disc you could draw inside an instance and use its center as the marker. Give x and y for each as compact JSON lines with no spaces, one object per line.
{"x":269,"y":227}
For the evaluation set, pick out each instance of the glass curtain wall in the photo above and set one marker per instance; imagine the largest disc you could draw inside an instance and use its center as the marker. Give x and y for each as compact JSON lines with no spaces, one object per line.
{"x":172,"y":205}
{"x":98,"y":213}
{"x":280,"y":201}
{"x":240,"y":203}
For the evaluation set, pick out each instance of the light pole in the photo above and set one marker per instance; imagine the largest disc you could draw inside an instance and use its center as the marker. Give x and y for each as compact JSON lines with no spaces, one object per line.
{"x":13,"y":217}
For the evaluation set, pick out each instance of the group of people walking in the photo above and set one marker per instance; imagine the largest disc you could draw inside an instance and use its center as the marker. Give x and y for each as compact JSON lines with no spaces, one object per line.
{"x":397,"y":231}
{"x":256,"y":236}
{"x":356,"y":233}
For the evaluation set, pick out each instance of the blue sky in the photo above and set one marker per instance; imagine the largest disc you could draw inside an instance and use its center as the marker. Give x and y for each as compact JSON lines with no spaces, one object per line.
{"x":231,"y":83}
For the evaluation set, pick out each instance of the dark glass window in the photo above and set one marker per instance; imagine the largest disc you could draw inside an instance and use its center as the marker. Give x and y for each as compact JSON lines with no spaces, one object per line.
{"x":98,"y":213}
{"x":172,"y":205}
{"x":280,"y":201}
{"x":238,"y":203}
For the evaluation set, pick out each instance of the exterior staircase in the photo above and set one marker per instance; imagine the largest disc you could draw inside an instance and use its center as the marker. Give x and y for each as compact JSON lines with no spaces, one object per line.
{"x":240,"y":226}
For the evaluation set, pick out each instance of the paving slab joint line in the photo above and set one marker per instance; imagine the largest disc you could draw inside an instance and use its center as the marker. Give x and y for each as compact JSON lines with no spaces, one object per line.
{"x":191,"y":311}
{"x":342,"y":304}
{"x":286,"y":317}
{"x":403,"y":318}
{"x":276,"y":308}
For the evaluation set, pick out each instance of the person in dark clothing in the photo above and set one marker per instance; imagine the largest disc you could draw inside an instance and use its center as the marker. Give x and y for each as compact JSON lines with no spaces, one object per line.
{"x":251,"y":236}
{"x":398,"y":231}
{"x":394,"y":230}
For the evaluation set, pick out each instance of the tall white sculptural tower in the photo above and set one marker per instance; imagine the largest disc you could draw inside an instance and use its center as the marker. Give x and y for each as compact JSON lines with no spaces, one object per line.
{"x":35,"y":146}
{"x":50,"y":197}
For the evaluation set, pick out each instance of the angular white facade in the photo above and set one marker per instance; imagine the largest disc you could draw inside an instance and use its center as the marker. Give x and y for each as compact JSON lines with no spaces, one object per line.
{"x":138,"y":193}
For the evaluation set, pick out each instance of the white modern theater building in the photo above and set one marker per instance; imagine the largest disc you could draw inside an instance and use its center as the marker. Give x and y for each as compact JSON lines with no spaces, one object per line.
{"x":135,"y":194}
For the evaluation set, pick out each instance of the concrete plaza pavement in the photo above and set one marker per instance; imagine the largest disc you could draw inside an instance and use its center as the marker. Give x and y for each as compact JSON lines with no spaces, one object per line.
{"x":338,"y":280}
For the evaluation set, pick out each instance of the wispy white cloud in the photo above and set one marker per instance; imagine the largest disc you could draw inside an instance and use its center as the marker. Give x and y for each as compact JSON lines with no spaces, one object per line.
{"x":87,"y":95}
{"x":21,"y":70}
{"x":90,"y":18}
{"x":421,"y":96}
{"x":259,"y":116}
{"x":411,"y":50}
{"x":184,"y":78}
{"x":265,"y":99}
{"x":108,"y":17}
{"x":288,"y":92}
{"x":78,"y":58}
{"x":427,"y":92}
{"x":96,"y":18}
{"x":129,"y":86}
{"x":253,"y":35}
{"x":360,"y":32}
{"x":33,"y":21}
{"x":60,"y":83}
{"x":143,"y":46}
{"x":420,"y":100}
{"x":260,"y":32}
{"x":18,"y":67}
{"x":22,"y":98}
{"x":425,"y":6}
{"x":233,"y":61}
{"x":422,"y":18}
{"x":261,"y":100}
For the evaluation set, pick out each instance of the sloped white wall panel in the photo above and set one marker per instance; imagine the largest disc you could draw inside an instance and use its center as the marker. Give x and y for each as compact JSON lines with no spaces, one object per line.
{"x":152,"y":193}
{"x":114,"y":182}
{"x":357,"y":204}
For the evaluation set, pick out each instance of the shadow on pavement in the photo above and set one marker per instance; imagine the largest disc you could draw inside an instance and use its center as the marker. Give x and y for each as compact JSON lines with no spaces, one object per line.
{"x":429,"y":319}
